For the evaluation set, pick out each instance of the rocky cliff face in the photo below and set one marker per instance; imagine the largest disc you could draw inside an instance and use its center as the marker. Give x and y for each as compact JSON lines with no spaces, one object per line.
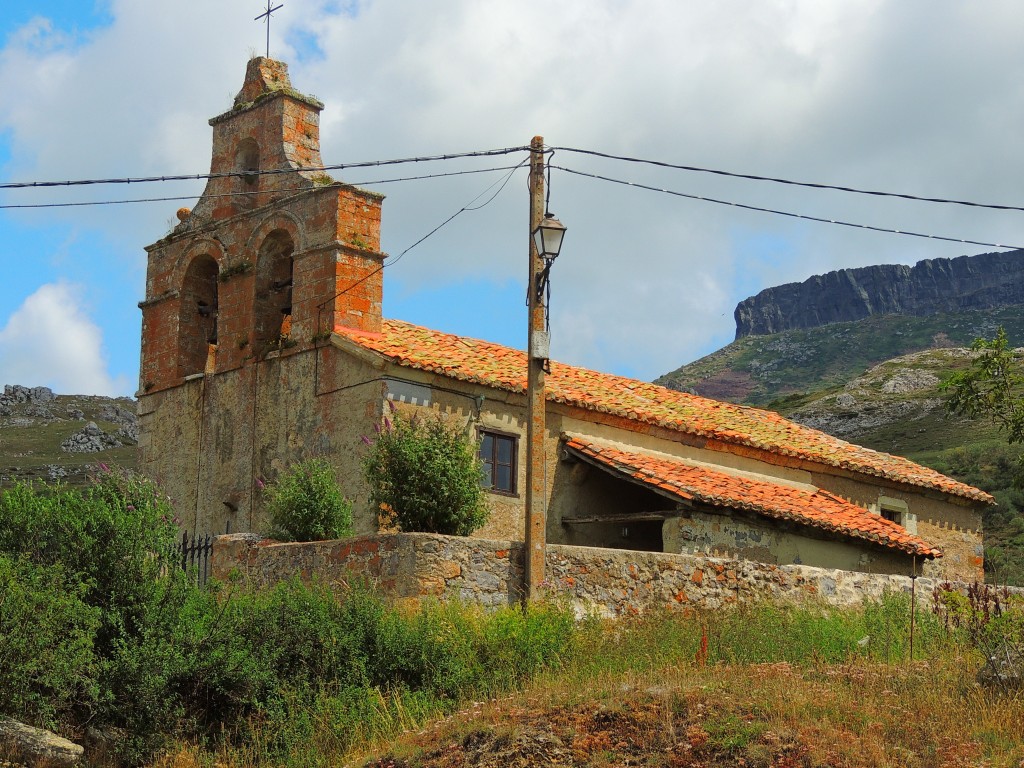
{"x":929,"y":287}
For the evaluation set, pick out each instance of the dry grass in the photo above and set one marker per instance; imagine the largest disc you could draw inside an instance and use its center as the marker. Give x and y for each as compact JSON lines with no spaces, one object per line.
{"x":636,"y":694}
{"x":859,"y":713}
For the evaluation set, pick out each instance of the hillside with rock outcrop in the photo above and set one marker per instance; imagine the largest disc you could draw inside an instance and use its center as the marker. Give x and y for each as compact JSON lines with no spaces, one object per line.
{"x":757,"y":370}
{"x":932,"y":286}
{"x":49,"y":437}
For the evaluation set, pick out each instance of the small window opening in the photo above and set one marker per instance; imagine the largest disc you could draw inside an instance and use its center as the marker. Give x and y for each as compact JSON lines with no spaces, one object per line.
{"x":498,"y":453}
{"x":247,"y":162}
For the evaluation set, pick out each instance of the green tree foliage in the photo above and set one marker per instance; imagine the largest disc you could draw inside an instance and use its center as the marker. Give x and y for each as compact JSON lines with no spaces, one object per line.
{"x":104,"y":557}
{"x":427,"y":475}
{"x":305,"y":504}
{"x":992,"y":388}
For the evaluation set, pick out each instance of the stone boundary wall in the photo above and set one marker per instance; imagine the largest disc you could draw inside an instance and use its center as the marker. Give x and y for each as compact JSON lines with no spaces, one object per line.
{"x":409,"y":567}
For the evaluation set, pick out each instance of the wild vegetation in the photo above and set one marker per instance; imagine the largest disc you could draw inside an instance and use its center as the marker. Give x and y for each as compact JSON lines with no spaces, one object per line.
{"x":105,"y":639}
{"x":757,"y":685}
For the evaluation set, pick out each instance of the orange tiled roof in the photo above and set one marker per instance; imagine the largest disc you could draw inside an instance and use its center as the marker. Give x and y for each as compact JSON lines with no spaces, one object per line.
{"x":493,"y":365}
{"x":818,"y":509}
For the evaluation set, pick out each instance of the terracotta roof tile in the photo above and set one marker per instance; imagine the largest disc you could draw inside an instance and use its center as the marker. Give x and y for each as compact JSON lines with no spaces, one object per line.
{"x":817,"y":509}
{"x":494,"y":365}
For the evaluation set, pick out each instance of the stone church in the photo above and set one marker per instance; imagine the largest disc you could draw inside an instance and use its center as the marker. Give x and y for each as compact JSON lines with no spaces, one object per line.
{"x":263,"y":344}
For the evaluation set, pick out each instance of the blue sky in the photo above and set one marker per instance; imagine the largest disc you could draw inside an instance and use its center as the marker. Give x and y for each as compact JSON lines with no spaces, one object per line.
{"x":902,"y":95}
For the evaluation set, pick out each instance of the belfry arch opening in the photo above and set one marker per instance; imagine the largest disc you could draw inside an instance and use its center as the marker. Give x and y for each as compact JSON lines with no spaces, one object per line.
{"x":273,"y":306}
{"x":197,"y":319}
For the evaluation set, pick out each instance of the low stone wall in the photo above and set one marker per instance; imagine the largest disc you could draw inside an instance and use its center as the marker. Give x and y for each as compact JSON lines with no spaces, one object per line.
{"x":401,"y":565}
{"x":413,"y":566}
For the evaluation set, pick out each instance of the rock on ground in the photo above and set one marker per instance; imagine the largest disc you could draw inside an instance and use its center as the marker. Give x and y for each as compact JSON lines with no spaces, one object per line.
{"x":90,"y":439}
{"x":34,"y":746}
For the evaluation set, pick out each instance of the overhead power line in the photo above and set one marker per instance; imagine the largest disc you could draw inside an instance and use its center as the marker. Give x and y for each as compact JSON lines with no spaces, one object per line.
{"x":502,"y":151}
{"x":251,"y":193}
{"x":265,"y":172}
{"x":776,"y":212}
{"x":467,"y":207}
{"x":790,"y":182}
{"x":512,"y":150}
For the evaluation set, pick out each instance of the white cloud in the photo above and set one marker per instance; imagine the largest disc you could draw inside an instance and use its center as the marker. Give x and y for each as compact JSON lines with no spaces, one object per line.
{"x":51,"y":341}
{"x":906,"y":95}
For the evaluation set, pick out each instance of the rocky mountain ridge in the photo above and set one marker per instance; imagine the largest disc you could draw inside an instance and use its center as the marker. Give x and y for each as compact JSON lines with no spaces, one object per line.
{"x":931,"y":286}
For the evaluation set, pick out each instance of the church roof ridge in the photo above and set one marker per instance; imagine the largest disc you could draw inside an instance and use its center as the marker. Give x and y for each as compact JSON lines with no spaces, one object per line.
{"x":639,"y":402}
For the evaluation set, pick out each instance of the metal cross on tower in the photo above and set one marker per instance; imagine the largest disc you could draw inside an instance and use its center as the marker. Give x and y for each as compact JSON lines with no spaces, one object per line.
{"x":266,"y":15}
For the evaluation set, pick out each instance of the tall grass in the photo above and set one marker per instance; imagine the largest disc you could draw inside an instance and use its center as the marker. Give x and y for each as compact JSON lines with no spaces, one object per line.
{"x":294,"y":676}
{"x":765,"y":633}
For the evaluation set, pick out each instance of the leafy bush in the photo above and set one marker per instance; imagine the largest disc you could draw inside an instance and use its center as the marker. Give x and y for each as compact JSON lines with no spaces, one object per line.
{"x":427,"y":475}
{"x":306,"y":504}
{"x":987,"y":615}
{"x":47,"y":665}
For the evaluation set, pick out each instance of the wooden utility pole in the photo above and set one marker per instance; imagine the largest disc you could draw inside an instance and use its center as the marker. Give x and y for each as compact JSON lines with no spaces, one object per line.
{"x":537,"y":355}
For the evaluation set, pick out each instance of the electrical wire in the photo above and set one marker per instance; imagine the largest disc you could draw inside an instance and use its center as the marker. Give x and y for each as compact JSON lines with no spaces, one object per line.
{"x":263,"y":172}
{"x":807,"y":184}
{"x":258,"y":192}
{"x":488,"y":153}
{"x":509,"y":150}
{"x":467,"y":207}
{"x":790,"y":214}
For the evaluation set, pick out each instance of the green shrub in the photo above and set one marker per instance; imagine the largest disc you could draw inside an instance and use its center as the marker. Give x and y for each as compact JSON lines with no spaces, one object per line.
{"x":112,"y":545}
{"x":427,"y":475}
{"x":47,"y":665}
{"x":305,"y":504}
{"x":117,"y":538}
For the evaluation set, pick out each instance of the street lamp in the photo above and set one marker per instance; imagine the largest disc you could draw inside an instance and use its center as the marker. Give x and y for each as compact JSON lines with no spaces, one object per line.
{"x":547,"y":239}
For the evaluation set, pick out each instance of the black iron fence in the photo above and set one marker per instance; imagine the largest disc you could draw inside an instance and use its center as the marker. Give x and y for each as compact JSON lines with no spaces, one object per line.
{"x":193,"y":554}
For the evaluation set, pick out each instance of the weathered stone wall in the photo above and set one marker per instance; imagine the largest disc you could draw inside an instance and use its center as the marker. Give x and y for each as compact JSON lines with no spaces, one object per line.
{"x":410,"y":567}
{"x":211,"y":442}
{"x":747,"y":537}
